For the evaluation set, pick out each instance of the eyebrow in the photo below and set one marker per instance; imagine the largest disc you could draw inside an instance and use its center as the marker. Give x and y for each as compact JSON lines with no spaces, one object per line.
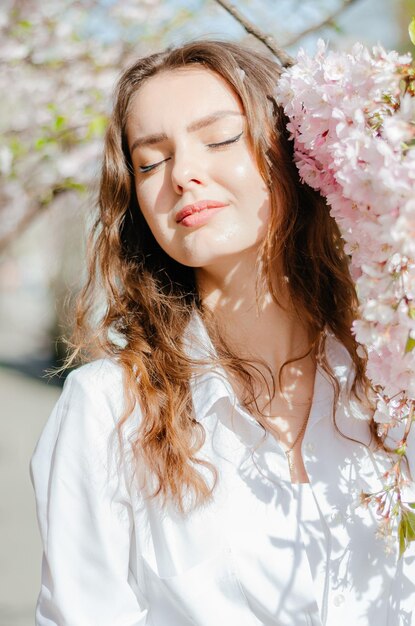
{"x":150,"y":140}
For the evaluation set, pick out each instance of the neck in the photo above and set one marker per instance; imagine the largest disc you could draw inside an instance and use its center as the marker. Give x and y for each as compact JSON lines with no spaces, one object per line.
{"x":253,"y":329}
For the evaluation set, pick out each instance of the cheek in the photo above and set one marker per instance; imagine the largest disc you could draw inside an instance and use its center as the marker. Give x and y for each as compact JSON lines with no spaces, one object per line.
{"x":145,"y":198}
{"x":252,"y":190}
{"x":245,"y":174}
{"x":148,"y":198}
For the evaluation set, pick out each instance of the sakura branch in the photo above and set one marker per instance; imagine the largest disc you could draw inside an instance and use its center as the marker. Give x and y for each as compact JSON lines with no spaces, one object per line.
{"x":327,"y":21}
{"x":352,"y":119}
{"x":269,"y":41}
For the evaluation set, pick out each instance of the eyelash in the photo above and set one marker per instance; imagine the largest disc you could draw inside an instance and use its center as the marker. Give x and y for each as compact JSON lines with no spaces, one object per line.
{"x":148,"y":168}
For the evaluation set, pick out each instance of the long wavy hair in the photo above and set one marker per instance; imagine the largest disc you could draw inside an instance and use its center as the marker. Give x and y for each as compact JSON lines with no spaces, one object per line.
{"x":149,"y":298}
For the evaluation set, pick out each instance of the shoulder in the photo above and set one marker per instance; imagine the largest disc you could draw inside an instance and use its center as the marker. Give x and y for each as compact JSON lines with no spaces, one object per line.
{"x":78,"y":450}
{"x":90,"y":405}
{"x":93,"y":397}
{"x":84,"y":418}
{"x":98,"y":372}
{"x":101,"y":381}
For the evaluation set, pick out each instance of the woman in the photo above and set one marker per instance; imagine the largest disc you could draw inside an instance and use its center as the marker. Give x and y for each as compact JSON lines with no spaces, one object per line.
{"x":207,"y":469}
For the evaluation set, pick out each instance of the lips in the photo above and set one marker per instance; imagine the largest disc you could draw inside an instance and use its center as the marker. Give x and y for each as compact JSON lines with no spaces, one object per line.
{"x":189,"y":209}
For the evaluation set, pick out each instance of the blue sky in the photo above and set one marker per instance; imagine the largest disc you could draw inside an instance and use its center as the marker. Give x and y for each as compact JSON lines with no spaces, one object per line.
{"x":370,"y":21}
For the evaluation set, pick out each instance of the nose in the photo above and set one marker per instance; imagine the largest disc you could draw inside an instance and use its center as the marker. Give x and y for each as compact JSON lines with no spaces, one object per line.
{"x":187,"y":171}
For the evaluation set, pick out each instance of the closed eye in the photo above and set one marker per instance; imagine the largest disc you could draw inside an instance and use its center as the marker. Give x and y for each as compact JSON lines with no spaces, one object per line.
{"x":226,"y":143}
{"x":147,"y":168}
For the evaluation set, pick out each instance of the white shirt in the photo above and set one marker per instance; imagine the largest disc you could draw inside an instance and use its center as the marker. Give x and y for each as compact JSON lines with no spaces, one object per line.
{"x":264,"y":552}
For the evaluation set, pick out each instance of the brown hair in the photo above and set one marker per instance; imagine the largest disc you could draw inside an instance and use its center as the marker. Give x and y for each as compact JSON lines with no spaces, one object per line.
{"x":149,"y":297}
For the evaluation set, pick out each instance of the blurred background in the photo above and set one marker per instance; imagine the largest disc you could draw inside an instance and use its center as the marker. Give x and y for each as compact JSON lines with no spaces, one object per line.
{"x":59,"y":62}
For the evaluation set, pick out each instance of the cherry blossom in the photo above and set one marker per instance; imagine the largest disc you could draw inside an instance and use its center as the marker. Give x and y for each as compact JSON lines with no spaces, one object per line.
{"x":352,"y":120}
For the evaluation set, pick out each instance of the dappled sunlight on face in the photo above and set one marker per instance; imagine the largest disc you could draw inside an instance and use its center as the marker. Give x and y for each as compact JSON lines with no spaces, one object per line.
{"x":192,"y":156}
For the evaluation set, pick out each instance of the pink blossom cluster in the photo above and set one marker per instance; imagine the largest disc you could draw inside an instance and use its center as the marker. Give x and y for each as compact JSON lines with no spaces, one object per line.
{"x":352,"y":119}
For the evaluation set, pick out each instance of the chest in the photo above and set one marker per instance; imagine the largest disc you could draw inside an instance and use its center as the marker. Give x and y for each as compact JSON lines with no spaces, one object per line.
{"x":288,"y":413}
{"x":207,"y":563}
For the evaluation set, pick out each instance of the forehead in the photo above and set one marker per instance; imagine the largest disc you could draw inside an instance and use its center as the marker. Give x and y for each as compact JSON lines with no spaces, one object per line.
{"x":180,"y":95}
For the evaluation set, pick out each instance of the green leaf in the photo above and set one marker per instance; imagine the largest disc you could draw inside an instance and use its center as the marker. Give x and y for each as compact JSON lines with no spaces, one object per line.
{"x":410,"y":344}
{"x":59,"y":122}
{"x":406,"y":530}
{"x":401,"y":450}
{"x":16,"y":147}
{"x":41,"y":142}
{"x":25,"y":24}
{"x":411,"y":30}
{"x":97,"y":126}
{"x":411,"y":504}
{"x":411,"y":311}
{"x":401,"y":535}
{"x":410,"y":525}
{"x":72,"y":184}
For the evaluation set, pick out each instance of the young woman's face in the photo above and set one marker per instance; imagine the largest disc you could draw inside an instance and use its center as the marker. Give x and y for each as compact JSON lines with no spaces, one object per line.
{"x":187,"y":137}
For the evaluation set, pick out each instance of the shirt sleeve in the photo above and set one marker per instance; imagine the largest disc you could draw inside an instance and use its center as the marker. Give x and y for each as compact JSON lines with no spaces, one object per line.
{"x":84,"y":515}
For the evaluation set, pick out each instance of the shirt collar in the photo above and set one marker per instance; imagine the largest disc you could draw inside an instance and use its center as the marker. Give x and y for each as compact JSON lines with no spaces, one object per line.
{"x":213,"y":384}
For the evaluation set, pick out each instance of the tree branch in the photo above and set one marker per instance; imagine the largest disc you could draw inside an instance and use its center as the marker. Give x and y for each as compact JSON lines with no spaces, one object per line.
{"x":328,"y":21}
{"x":250,"y":28}
{"x":284,"y":58}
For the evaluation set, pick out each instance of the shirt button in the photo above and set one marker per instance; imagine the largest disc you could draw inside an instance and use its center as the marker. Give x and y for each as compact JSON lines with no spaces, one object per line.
{"x":338,"y":600}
